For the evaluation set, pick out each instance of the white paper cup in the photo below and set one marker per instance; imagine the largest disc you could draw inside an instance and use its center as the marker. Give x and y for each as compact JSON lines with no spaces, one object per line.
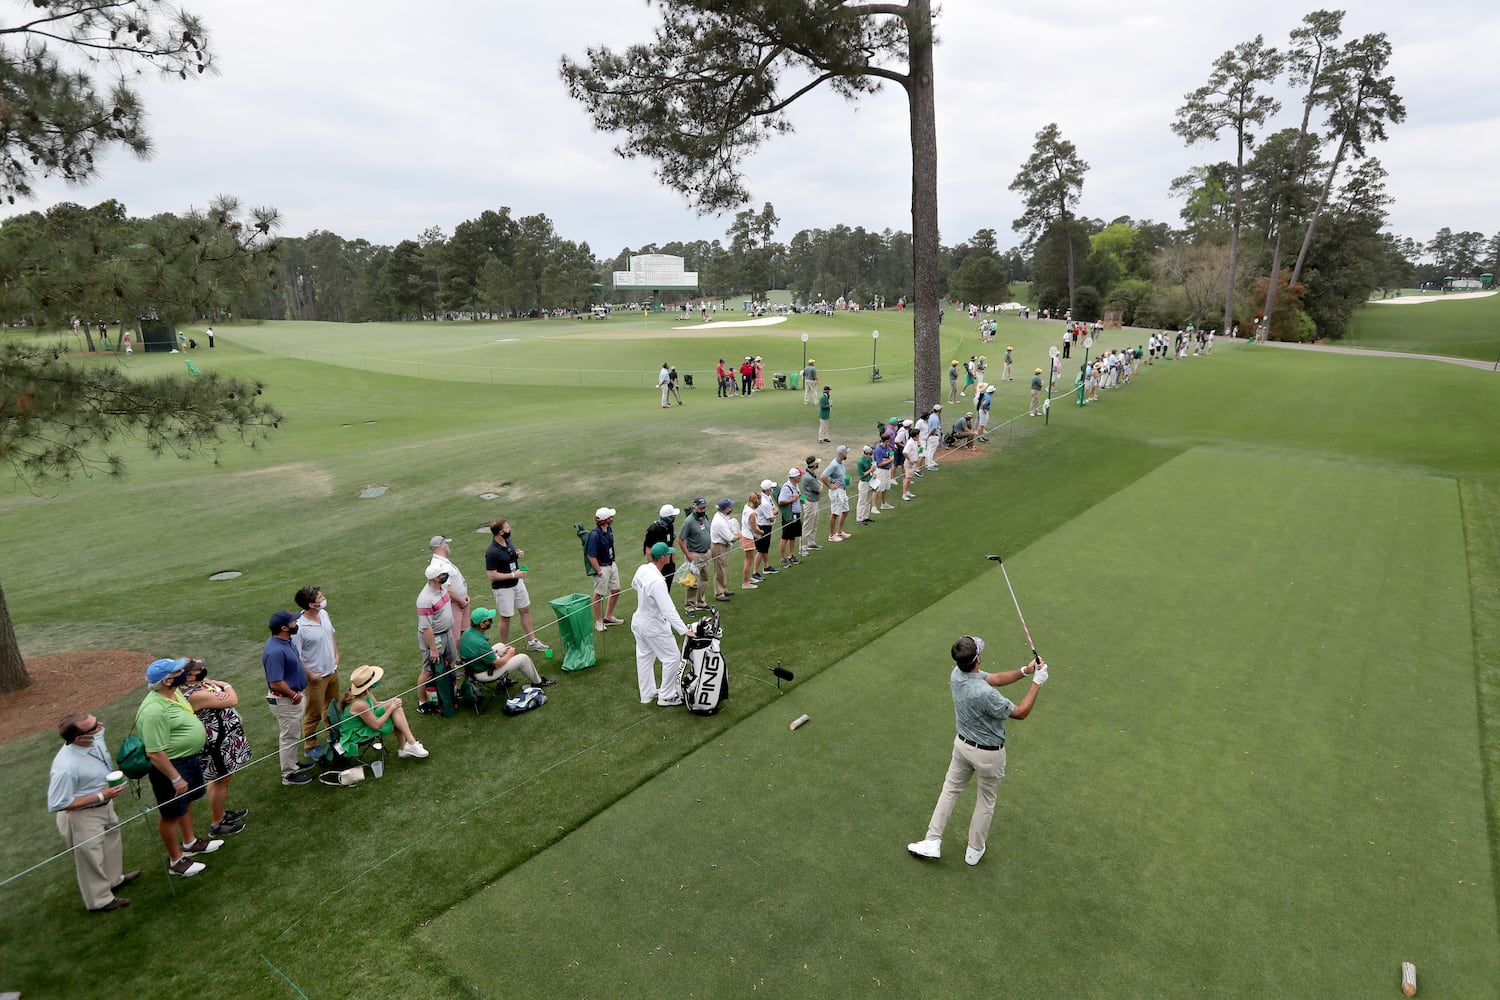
{"x":115,"y":779}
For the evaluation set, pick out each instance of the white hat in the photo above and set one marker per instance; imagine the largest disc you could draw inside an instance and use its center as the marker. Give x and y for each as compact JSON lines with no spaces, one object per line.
{"x":766,"y":484}
{"x":604,"y":513}
{"x":793,"y":473}
{"x":937,"y":407}
{"x":906,"y":422}
{"x":436,"y":568}
{"x":667,"y":510}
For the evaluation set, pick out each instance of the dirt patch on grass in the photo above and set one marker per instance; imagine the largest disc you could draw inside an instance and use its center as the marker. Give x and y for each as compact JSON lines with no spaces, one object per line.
{"x":70,"y":682}
{"x":297,"y":477}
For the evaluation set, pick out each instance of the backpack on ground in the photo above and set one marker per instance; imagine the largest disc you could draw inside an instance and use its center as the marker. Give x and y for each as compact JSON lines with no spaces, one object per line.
{"x":705,"y":681}
{"x":524,"y":701}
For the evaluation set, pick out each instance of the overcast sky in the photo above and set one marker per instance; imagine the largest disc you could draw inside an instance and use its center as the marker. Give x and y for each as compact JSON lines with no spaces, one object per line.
{"x":378,"y":119}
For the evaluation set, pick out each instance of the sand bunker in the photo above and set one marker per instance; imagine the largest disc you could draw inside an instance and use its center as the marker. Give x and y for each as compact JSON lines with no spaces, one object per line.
{"x":1413,"y":300}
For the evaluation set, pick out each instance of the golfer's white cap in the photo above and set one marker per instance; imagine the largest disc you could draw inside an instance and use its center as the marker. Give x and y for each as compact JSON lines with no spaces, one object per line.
{"x":667,"y":510}
{"x":604,"y":513}
{"x":766,"y":484}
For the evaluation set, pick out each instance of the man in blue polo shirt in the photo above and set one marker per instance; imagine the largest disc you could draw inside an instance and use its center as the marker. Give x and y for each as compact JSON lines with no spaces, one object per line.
{"x":600,"y":551}
{"x":979,"y":712}
{"x":285,"y":681}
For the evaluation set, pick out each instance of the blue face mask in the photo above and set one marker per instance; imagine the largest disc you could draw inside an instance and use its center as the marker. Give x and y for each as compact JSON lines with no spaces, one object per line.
{"x":668,"y":519}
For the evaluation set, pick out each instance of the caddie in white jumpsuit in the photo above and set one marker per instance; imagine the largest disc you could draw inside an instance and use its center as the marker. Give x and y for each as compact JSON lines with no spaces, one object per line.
{"x":653,"y":623}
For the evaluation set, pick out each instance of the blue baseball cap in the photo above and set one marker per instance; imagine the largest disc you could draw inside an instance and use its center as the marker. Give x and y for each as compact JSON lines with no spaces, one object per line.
{"x":163,"y":668}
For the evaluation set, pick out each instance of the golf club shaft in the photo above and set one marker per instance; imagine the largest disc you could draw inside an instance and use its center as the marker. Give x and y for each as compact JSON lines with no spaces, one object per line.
{"x":1034,"y":654}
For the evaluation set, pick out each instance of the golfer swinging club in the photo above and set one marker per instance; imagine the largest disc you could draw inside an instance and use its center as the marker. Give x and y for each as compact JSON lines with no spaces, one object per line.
{"x":979,"y":748}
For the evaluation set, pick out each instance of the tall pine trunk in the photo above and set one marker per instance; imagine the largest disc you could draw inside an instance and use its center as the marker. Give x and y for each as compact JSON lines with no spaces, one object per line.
{"x":1312,"y":223}
{"x":1234,"y":234}
{"x":926,"y":336}
{"x":13,"y":676}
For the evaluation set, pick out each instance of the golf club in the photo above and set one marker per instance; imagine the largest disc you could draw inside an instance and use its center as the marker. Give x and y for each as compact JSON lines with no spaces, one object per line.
{"x":1035,"y":656}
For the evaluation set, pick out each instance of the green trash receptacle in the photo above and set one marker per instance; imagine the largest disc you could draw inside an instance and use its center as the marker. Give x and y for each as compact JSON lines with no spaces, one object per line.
{"x":575,"y":620}
{"x":791,"y":379}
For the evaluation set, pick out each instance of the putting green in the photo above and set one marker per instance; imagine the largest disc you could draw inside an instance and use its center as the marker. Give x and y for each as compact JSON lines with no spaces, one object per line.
{"x":1238,"y":783}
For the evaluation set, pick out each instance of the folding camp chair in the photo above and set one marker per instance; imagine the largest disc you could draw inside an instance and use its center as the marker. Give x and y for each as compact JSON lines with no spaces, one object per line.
{"x":340,"y":755}
{"x":483,"y":686}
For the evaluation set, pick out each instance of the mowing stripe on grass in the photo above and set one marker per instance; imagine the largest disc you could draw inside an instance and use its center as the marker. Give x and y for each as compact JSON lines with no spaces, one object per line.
{"x":1239,"y":783}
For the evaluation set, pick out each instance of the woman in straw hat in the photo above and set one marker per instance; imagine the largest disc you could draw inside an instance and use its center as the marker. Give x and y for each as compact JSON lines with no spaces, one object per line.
{"x":365,"y":718}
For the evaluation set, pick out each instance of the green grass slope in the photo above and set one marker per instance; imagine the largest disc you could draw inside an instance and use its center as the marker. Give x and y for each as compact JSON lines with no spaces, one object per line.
{"x":1244,"y":470}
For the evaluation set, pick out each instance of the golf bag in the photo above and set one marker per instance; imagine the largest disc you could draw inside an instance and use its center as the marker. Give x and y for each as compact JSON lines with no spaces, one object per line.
{"x":705,"y":682}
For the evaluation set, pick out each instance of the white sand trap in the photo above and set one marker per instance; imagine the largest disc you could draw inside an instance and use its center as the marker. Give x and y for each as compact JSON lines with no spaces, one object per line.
{"x":761,"y":321}
{"x":677,"y":331}
{"x":1416,"y":300}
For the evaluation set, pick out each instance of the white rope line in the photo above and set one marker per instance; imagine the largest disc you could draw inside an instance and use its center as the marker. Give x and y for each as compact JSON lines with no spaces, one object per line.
{"x":705,"y":559}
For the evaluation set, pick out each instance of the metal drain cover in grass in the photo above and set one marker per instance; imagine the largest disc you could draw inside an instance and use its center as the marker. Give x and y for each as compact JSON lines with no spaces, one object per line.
{"x":371,"y":492}
{"x":228,"y":574}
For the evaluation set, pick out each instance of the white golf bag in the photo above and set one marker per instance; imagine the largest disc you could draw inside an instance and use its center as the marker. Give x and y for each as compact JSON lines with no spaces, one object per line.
{"x":705,"y":682}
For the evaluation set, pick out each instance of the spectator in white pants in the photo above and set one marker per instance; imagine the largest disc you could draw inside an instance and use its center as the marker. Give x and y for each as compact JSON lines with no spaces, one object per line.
{"x":934,"y":435}
{"x":653,"y":623}
{"x":866,"y":468}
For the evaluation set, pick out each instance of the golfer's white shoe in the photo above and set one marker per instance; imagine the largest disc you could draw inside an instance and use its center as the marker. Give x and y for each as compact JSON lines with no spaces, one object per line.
{"x":972,"y":856}
{"x":926,"y":849}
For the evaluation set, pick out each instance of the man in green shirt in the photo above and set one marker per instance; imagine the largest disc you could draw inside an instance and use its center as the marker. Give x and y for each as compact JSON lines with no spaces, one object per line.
{"x":174,"y":737}
{"x":480,"y":657}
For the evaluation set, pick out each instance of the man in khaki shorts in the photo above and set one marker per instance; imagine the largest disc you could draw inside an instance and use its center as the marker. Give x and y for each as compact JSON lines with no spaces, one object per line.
{"x":600,"y":550}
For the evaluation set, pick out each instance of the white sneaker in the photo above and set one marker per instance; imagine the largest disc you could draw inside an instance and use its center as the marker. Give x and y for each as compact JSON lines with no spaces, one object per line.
{"x":413,"y":749}
{"x":926,"y":849}
{"x":971,"y":856}
{"x":536,"y":645}
{"x":598,"y":626}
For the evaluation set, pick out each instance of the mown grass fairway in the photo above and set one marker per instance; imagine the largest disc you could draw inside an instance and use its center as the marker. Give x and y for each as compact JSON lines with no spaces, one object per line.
{"x":1462,"y":328}
{"x":1266,"y":581}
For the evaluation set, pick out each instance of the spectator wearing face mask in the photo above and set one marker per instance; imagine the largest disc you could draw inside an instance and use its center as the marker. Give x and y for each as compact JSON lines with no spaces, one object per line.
{"x":226,"y":748}
{"x":174,"y":737}
{"x":79,"y":794}
{"x":286,"y":680}
{"x":319,"y":648}
{"x":662,"y":530}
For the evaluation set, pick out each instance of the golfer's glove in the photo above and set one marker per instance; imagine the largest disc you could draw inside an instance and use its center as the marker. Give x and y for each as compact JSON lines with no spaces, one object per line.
{"x":1040,"y":677}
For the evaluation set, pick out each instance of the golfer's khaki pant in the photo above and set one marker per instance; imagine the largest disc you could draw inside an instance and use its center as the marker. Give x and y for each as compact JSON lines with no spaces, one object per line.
{"x":989,"y":767}
{"x":862,"y":511}
{"x":96,"y":857}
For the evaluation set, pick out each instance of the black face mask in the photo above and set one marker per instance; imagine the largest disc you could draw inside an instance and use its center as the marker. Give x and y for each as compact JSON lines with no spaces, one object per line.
{"x":291,"y":630}
{"x":505,"y":535}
